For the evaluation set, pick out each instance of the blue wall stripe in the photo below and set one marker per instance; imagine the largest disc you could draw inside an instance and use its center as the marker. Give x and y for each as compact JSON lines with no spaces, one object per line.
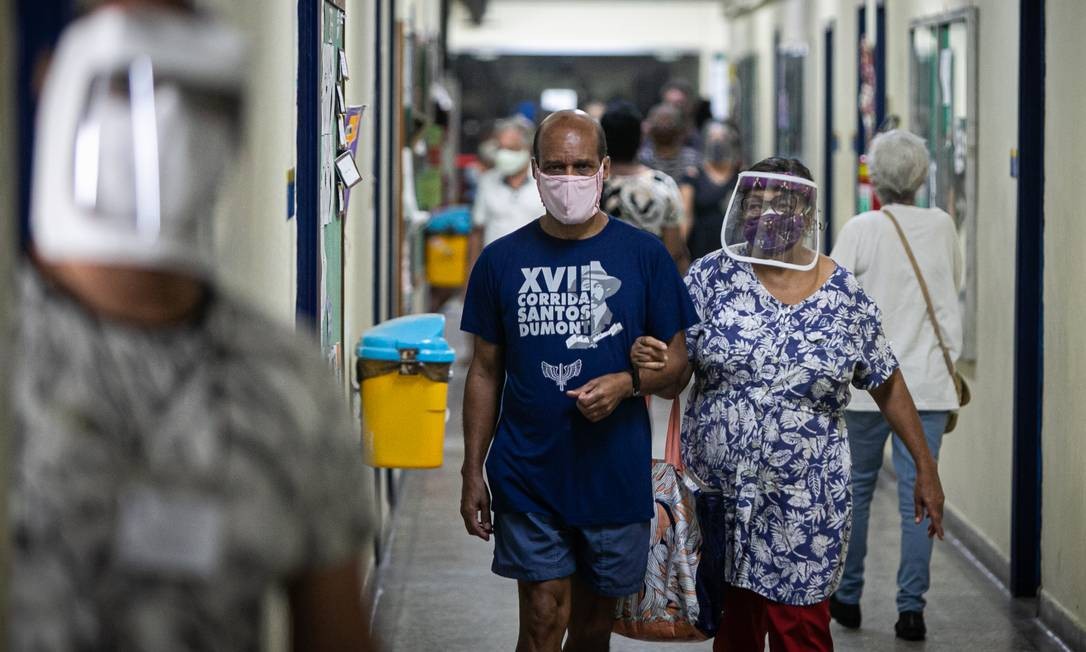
{"x":308,"y":138}
{"x":1029,"y":305}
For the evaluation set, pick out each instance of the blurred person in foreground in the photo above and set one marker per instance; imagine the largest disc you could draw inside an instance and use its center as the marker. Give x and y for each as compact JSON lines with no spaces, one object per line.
{"x":176,"y":455}
{"x":707,"y":189}
{"x":784,"y":333}
{"x":635,"y":193}
{"x":666,"y":149}
{"x":869,"y":245}
{"x":551,"y":402}
{"x":506,"y":197}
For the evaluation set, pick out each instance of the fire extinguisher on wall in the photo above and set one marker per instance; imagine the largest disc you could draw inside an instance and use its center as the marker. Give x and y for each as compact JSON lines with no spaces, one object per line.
{"x":866,"y":199}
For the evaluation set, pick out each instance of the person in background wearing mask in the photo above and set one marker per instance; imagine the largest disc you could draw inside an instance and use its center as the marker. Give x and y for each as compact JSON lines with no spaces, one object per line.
{"x":666,"y":150}
{"x":549,"y":400}
{"x":646,"y":198}
{"x":707,"y":189}
{"x":175,"y":455}
{"x":506,"y":198}
{"x":869,"y":245}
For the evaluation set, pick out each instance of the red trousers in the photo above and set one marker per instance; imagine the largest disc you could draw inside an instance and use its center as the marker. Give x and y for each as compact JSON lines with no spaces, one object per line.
{"x":748,"y":617}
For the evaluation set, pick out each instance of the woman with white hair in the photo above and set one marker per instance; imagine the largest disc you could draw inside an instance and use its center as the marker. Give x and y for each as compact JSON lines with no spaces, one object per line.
{"x":875,"y":249}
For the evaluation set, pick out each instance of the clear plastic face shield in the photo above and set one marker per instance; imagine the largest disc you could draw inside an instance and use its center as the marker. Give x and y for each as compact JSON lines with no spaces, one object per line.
{"x":772,"y":219}
{"x":138,"y":126}
{"x":138,"y":143}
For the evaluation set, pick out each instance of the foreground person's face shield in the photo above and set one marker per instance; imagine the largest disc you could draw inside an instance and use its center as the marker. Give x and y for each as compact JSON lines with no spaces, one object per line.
{"x":149,"y":150}
{"x":138,"y":127}
{"x":772,"y":219}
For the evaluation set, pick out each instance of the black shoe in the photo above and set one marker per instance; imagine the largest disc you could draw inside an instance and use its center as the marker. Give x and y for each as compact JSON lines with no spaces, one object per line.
{"x":910,"y":626}
{"x":847,"y":615}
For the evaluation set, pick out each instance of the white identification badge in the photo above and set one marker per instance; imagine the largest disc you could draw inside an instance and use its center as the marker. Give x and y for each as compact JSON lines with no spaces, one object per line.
{"x":169,"y":533}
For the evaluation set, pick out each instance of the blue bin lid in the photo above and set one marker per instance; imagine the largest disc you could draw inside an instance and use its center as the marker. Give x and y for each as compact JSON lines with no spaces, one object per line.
{"x":422,"y":332}
{"x":454,"y":219}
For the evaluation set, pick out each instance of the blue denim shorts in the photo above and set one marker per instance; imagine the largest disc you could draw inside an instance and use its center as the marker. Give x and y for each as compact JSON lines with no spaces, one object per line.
{"x":538,"y":547}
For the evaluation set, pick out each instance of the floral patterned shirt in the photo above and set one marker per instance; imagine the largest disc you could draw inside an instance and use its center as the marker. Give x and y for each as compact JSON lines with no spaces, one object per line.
{"x":764,"y":422}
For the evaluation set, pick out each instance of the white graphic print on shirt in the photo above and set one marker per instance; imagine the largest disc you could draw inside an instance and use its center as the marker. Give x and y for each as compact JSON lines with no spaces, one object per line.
{"x":561,"y":373}
{"x":570,"y":301}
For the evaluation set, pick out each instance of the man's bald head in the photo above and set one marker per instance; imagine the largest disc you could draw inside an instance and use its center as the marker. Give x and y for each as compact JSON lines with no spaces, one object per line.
{"x":572,"y":119}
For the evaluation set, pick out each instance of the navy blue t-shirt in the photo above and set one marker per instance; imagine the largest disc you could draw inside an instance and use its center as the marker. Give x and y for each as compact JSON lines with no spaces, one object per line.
{"x":566,"y":312}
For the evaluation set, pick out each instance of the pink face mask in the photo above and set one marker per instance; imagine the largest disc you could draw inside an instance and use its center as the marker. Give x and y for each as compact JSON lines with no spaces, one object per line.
{"x":571,"y":199}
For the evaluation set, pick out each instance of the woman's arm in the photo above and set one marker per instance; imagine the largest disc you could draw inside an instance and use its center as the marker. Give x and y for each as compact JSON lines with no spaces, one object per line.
{"x":687,"y":191}
{"x":897,"y":407}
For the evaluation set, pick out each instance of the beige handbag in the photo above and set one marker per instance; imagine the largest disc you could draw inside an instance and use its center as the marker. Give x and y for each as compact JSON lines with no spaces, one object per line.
{"x":960,"y":386}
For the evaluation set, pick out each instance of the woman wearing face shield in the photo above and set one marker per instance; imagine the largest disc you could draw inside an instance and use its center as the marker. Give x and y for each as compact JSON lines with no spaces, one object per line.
{"x":784,"y":333}
{"x":707,"y":188}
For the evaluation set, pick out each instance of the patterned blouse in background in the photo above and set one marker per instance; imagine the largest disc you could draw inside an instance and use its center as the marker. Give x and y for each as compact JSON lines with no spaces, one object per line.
{"x":764,"y":422}
{"x":649,"y":200}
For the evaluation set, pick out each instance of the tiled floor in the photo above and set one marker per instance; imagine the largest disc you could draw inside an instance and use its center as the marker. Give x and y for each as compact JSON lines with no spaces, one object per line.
{"x":437,"y":592}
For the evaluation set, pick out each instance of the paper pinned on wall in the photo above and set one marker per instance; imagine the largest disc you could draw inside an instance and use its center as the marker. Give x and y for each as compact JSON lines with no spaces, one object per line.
{"x":344,"y":71}
{"x":353,"y":119}
{"x":348,"y":171}
{"x":946,"y":75}
{"x":327,"y":179}
{"x":328,"y":84}
{"x":291,"y":203}
{"x":341,"y":133}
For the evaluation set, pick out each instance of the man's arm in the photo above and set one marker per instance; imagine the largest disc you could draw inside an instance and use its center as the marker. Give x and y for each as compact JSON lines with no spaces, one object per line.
{"x":687,"y":192}
{"x":481,"y":393}
{"x":327,"y":611}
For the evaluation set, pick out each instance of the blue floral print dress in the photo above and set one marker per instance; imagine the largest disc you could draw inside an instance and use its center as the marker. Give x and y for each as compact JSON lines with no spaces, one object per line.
{"x":764,"y":422}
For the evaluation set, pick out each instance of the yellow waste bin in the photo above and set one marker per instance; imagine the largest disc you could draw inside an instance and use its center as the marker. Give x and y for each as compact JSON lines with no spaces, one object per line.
{"x":403,"y":371}
{"x":446,"y":260}
{"x":447,"y":247}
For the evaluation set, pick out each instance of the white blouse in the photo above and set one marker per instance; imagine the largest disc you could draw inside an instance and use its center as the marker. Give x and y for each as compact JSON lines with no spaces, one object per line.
{"x":870,"y":247}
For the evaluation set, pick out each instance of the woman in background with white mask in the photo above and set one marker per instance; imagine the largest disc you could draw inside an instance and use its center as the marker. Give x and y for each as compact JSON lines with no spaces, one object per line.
{"x":506,"y":198}
{"x":784,"y":333}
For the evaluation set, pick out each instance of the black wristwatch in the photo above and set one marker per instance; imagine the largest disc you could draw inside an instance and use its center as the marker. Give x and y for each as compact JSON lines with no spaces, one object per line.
{"x":635,"y":375}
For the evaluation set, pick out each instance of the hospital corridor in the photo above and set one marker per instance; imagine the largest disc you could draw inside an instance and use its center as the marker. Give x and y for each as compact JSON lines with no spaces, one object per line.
{"x":542,"y":325}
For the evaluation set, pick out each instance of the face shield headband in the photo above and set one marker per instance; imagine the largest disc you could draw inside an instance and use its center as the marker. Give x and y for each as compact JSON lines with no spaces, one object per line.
{"x":772,"y":219}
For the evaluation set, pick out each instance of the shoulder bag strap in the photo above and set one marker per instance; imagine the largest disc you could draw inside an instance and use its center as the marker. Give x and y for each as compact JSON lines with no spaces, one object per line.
{"x":927,"y":297}
{"x":672,"y":450}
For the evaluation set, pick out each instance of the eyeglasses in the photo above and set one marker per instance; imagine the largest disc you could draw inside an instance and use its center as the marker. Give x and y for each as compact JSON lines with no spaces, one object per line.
{"x":785,"y":202}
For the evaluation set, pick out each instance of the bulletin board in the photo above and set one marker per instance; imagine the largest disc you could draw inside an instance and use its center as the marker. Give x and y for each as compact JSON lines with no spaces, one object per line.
{"x":330,"y":205}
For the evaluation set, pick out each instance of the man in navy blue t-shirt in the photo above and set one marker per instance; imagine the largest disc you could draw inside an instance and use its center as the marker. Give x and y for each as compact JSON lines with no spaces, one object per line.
{"x":555,"y":308}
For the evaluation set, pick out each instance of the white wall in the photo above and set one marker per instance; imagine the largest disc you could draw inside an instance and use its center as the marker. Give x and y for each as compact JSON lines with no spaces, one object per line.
{"x":594,"y":27}
{"x":1063,"y":558}
{"x":256,"y":243}
{"x":976,"y":458}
